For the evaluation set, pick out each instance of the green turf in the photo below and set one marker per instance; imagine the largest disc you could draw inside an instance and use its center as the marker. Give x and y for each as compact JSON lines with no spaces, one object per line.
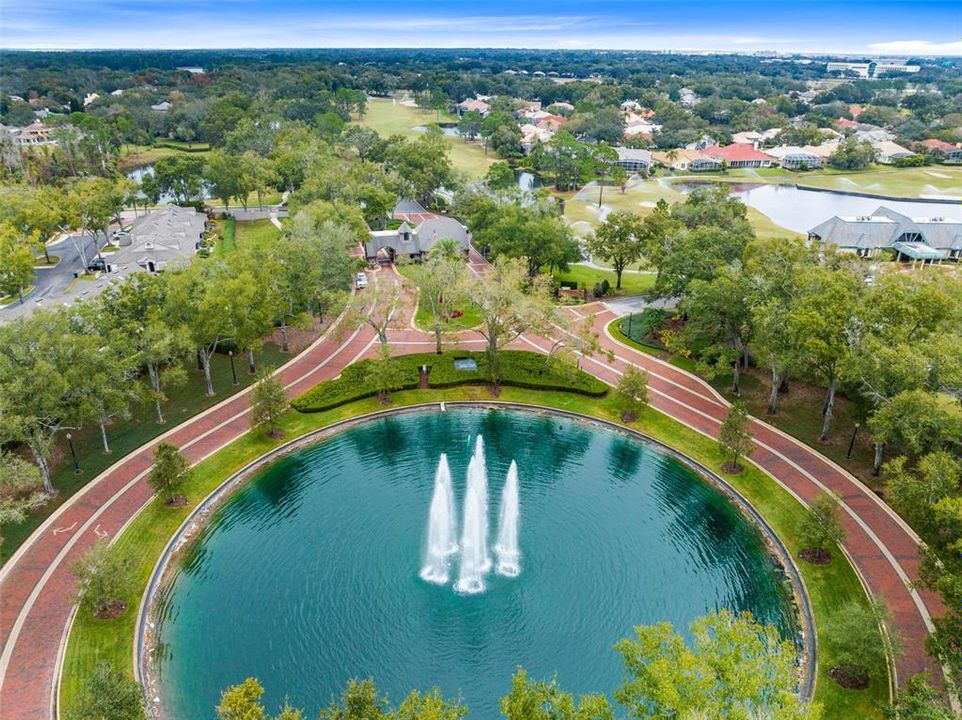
{"x":255,"y":234}
{"x":390,"y":118}
{"x":829,"y":587}
{"x":632,"y":283}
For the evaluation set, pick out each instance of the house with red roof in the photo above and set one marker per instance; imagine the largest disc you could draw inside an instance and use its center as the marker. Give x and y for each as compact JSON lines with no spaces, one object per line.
{"x":845,"y":123}
{"x":944,"y":151}
{"x":740,"y":155}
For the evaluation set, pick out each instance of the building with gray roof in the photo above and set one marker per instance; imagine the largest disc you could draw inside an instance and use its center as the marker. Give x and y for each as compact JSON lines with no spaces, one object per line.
{"x":418,"y":232}
{"x":164,"y":237}
{"x":633,"y":160}
{"x":926,"y":239}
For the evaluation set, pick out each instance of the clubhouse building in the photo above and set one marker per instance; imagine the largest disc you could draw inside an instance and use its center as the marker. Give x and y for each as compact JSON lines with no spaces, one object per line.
{"x":930,"y":239}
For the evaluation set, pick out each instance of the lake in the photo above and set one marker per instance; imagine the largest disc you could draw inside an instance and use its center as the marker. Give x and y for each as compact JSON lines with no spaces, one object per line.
{"x":801,"y":210}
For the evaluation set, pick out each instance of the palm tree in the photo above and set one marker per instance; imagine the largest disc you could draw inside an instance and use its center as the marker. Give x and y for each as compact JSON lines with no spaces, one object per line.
{"x":671,"y":156}
{"x":447,"y":248}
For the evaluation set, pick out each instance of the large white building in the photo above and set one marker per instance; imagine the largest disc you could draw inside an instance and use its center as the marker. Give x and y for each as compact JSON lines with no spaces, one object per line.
{"x":873,"y":69}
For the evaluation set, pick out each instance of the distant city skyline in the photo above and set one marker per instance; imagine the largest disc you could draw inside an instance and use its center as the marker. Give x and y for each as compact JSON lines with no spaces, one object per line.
{"x":865,"y":27}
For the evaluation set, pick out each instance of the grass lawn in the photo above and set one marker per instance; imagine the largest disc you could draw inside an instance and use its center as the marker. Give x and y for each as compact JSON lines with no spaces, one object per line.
{"x":829,"y":587}
{"x":226,"y":241}
{"x":127,"y":435}
{"x":390,"y":118}
{"x":256,"y":233}
{"x":632,"y":283}
{"x":878,"y":179}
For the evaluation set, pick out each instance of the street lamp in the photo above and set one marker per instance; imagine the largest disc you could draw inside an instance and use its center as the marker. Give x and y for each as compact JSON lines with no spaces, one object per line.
{"x":851,"y":443}
{"x":233,"y":372}
{"x":73,"y":454}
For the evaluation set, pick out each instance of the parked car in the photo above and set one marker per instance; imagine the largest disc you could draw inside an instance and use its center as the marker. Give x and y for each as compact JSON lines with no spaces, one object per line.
{"x":361,"y":281}
{"x":97,"y":265}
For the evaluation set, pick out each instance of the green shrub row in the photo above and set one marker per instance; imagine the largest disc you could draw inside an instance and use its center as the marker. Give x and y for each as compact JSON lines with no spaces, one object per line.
{"x":518,"y":368}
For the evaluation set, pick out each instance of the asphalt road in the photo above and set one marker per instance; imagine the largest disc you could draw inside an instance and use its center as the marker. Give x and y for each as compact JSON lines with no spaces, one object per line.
{"x":51,"y":284}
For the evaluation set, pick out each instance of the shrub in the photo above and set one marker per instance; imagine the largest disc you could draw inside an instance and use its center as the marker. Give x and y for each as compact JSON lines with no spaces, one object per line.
{"x":518,"y":368}
{"x":110,"y":693}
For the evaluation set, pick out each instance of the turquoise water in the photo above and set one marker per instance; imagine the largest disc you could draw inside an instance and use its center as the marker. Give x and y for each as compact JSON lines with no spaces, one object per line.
{"x":309,"y":575}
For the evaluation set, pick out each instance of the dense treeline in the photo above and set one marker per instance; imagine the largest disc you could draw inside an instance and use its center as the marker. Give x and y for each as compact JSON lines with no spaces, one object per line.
{"x":91,"y":363}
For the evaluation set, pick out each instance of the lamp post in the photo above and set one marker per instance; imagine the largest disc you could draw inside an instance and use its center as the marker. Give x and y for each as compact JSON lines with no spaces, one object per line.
{"x":630,"y":315}
{"x":73,"y":454}
{"x":851,"y":443}
{"x":233,"y":372}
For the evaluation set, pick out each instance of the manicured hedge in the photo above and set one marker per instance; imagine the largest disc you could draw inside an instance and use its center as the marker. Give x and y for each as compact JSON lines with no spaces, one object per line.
{"x":518,"y":368}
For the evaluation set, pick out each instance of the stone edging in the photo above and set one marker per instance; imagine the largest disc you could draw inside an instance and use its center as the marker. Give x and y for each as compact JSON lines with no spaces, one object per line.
{"x":197,"y":519}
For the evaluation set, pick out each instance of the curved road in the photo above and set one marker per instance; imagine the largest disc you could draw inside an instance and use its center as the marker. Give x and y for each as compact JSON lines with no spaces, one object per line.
{"x":36,"y":585}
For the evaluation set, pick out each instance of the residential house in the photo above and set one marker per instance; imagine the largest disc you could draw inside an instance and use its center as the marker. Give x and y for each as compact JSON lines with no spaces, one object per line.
{"x":419,"y":230}
{"x":792,"y":157}
{"x":918,"y":239}
{"x":163,"y":238}
{"x":479,"y":106}
{"x":872,"y":133}
{"x":750,"y":137}
{"x":686,"y":161}
{"x":32,"y":135}
{"x":945,"y":152}
{"x":740,"y":155}
{"x":632,"y":160}
{"x":888,"y":152}
{"x":688,"y":97}
{"x":90,"y":98}
{"x":631,"y":106}
{"x":552,"y":122}
{"x":532,"y":134}
{"x":564,"y":106}
{"x":161,"y":107}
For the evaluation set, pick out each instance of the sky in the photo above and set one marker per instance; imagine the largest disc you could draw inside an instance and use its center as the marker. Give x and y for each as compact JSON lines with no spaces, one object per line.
{"x":871,"y":27}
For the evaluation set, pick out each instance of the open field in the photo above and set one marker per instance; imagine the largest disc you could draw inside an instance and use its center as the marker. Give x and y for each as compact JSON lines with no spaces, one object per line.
{"x":390,"y":118}
{"x":632,"y":283}
{"x":879,"y":179}
{"x":830,"y":587}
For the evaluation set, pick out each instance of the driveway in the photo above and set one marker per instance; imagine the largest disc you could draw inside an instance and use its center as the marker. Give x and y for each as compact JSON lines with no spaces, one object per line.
{"x":50,"y":284}
{"x":635,"y":303}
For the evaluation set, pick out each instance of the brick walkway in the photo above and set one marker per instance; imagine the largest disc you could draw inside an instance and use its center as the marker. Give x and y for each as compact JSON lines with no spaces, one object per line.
{"x":36,"y":585}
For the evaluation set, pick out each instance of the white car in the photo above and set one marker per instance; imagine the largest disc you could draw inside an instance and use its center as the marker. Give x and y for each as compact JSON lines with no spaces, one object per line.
{"x":361,"y":281}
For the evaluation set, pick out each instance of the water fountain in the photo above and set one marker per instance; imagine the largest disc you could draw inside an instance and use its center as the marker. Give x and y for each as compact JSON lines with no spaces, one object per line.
{"x":506,"y":548}
{"x":442,"y":527}
{"x":475,"y":561}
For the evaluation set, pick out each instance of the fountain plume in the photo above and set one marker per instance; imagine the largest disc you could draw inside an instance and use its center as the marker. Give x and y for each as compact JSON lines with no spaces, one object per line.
{"x":442,"y":527}
{"x":475,"y":561}
{"x":506,"y":548}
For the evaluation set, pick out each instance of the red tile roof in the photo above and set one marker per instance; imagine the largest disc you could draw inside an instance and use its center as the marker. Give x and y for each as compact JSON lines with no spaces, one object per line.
{"x":934,"y":144}
{"x":845,"y":123}
{"x":736,"y":152}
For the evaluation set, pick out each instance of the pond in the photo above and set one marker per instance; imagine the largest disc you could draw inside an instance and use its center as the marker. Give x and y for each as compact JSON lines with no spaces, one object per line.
{"x":449,"y":130}
{"x":801,"y":210}
{"x":138,"y":173}
{"x":317,"y":570}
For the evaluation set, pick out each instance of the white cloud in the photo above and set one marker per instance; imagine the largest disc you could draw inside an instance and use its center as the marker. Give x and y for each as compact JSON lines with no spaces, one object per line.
{"x":917,"y":47}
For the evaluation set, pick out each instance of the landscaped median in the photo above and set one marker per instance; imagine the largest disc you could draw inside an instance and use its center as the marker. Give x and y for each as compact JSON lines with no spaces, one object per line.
{"x":517,"y":368}
{"x":829,"y":587}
